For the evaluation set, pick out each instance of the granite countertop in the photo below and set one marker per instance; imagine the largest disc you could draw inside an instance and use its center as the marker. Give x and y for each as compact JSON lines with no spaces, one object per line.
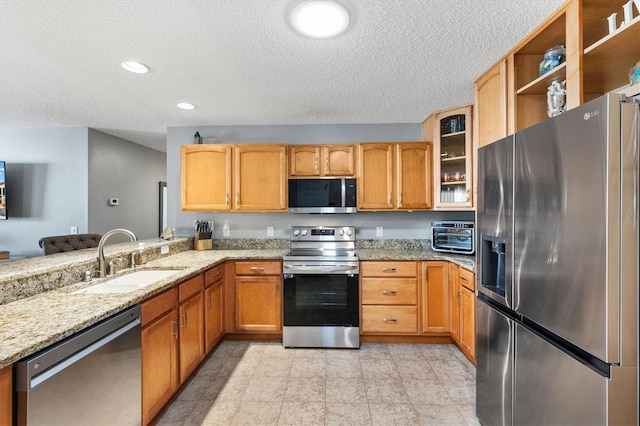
{"x":30,"y":324}
{"x":466,"y":261}
{"x":51,"y":313}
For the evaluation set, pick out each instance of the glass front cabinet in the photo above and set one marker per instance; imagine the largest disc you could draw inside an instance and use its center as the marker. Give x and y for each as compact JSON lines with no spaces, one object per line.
{"x":453,"y":167}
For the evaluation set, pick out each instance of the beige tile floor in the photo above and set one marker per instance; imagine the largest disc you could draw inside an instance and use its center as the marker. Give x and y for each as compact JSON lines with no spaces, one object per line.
{"x":257,"y":383}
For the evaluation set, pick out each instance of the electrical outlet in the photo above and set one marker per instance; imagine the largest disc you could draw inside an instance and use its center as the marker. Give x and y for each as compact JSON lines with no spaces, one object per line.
{"x":379,"y":232}
{"x":269,"y":231}
{"x":164,"y":249}
{"x":74,"y":230}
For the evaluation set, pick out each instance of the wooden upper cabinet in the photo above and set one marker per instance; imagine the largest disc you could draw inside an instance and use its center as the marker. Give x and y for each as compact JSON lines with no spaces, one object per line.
{"x":375,"y":176}
{"x":395,"y":176}
{"x":453,"y":154}
{"x":322,"y":160}
{"x":414,"y":186}
{"x":339,"y":160}
{"x":260,"y":177}
{"x":206,"y":177}
{"x":305,"y":160}
{"x":490,"y":112}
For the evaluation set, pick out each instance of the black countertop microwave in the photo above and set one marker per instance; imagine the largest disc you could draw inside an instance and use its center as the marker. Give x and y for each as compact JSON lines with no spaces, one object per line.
{"x":322,"y":195}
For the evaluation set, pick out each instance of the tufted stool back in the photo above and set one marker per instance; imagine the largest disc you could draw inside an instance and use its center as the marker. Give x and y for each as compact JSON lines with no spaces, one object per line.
{"x":62,"y":243}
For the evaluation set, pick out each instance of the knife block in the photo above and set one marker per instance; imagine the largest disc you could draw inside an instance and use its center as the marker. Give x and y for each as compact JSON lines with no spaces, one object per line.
{"x":202,"y":243}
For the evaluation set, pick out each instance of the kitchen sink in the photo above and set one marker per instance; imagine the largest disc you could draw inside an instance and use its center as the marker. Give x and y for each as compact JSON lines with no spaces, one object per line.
{"x":129,"y":282}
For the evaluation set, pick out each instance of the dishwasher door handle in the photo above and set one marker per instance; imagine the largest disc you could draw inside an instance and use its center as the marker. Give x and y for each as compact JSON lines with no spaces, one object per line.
{"x":40,"y":377}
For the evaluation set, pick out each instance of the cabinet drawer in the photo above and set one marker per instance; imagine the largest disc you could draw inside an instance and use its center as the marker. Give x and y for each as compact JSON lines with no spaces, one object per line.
{"x":158,"y":305}
{"x":389,"y":268}
{"x":467,"y":278}
{"x":389,"y":319}
{"x":190,"y":287}
{"x":213,"y":275}
{"x":389,"y":291}
{"x":259,"y":268}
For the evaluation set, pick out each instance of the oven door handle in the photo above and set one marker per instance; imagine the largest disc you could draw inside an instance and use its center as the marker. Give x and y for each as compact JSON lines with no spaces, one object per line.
{"x":321,"y":269}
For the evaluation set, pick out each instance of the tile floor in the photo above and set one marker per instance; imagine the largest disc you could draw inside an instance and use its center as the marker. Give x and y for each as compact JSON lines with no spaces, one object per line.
{"x":260,"y":383}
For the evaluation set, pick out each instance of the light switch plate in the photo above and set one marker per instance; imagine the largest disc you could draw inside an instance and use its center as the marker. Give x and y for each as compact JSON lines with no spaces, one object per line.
{"x":269,"y":231}
{"x":74,"y":230}
{"x":379,"y":232}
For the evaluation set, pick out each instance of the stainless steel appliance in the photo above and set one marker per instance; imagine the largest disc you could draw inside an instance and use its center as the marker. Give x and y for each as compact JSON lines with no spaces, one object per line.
{"x":321,"y":290}
{"x":322,"y":195}
{"x":557,"y":270}
{"x":91,"y":377}
{"x":453,"y":237}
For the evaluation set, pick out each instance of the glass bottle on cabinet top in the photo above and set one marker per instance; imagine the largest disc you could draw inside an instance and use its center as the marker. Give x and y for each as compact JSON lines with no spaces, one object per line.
{"x":453,"y":166}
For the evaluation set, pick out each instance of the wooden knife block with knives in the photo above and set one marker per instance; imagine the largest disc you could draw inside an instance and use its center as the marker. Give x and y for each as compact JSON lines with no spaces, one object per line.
{"x":203,"y":238}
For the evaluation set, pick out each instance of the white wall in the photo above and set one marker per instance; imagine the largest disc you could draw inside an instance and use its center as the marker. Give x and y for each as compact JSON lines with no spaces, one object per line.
{"x":46,"y":185}
{"x":253,"y":225}
{"x":127,"y":171}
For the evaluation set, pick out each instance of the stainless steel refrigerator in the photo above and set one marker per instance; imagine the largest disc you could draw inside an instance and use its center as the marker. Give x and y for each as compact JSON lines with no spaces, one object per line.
{"x":557,"y":270}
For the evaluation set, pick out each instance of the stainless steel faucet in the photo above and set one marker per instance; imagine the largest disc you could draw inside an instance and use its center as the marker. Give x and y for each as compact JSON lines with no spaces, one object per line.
{"x":103,"y":267}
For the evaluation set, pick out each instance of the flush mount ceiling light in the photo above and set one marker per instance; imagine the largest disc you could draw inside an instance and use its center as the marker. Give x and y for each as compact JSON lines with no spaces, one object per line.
{"x":320,"y":18}
{"x":137,"y":67}
{"x":186,"y":105}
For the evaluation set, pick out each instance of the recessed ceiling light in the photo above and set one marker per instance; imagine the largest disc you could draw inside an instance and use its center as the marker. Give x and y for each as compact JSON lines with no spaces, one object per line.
{"x":186,"y":105}
{"x":320,"y":18}
{"x":137,"y":67}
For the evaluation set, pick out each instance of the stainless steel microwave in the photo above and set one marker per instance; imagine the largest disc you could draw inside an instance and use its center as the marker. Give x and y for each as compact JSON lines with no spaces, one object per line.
{"x":322,"y":195}
{"x":453,"y":237}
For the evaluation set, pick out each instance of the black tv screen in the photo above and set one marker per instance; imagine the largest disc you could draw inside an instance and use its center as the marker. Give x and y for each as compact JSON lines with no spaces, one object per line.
{"x":3,"y":192}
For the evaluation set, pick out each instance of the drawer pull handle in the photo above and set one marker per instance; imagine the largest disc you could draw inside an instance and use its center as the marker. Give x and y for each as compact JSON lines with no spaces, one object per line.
{"x":389,"y":320}
{"x":464,"y":279}
{"x":388,"y":269}
{"x":257,"y":269}
{"x":389,"y":292}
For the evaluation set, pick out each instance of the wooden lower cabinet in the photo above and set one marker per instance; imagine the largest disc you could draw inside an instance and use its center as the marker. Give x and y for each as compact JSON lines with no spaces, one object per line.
{"x":454,"y":302}
{"x":258,"y":296}
{"x":213,"y":307}
{"x":435,"y":297}
{"x":389,"y":297}
{"x":468,"y":323}
{"x":159,"y":352}
{"x":463,"y":310}
{"x":191,"y":335}
{"x":6,"y":395}
{"x":467,"y":313}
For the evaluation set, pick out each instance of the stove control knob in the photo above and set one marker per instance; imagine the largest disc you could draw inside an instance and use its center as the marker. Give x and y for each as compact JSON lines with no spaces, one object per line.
{"x":341,"y":232}
{"x":296,"y":232}
{"x":349,"y":232}
{"x":304,"y":232}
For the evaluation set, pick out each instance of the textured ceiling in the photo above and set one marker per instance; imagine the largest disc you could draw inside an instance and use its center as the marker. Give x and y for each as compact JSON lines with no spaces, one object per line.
{"x":241,"y":63}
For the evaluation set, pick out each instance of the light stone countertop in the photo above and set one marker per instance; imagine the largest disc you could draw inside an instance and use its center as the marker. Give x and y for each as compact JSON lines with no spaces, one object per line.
{"x":466,"y":261}
{"x":30,"y":324}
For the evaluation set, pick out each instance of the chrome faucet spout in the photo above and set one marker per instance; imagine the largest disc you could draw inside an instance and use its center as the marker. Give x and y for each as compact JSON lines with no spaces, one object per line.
{"x":103,"y":267}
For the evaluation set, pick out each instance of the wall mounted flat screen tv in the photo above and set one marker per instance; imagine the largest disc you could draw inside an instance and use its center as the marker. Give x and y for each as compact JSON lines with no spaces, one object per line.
{"x":3,"y":192}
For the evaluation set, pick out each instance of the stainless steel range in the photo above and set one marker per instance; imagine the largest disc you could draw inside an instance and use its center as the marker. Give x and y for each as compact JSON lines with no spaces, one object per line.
{"x":321,"y":290}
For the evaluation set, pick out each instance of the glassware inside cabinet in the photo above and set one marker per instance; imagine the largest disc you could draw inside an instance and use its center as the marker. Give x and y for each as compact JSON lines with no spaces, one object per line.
{"x":452,"y":159}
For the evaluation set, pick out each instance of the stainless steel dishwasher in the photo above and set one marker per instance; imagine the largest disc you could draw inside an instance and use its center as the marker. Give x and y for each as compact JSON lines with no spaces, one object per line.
{"x":90,"y":378}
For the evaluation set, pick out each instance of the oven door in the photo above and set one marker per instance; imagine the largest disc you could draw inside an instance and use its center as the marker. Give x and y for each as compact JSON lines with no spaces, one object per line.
{"x":321,"y":300}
